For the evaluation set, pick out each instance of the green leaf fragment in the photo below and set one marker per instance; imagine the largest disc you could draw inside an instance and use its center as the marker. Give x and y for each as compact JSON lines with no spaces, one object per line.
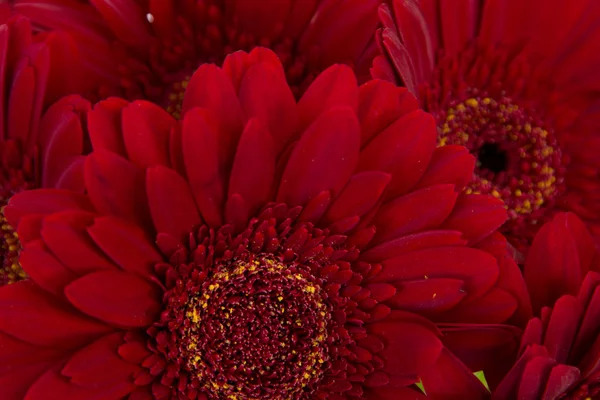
{"x":481,"y":376}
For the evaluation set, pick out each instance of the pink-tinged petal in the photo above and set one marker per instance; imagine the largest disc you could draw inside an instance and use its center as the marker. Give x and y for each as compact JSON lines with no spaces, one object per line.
{"x":554,"y":266}
{"x":202,"y":166}
{"x":448,"y":378}
{"x":254,"y":166}
{"x":104,"y":126}
{"x":417,"y":211}
{"x":561,"y":329}
{"x":64,"y":231}
{"x":171,"y":202}
{"x":411,"y":344}
{"x":478,"y":269}
{"x":416,"y":241}
{"x":380,"y":105}
{"x":265,"y":94}
{"x":146,"y":129}
{"x":211,"y":89}
{"x":44,"y":269}
{"x":127,"y":21}
{"x":403,"y":150}
{"x":398,"y":66}
{"x":99,"y":363}
{"x":44,"y":201}
{"x":30,"y":314}
{"x":119,"y":298}
{"x":451,"y":164}
{"x":476,"y":216}
{"x":54,"y":386}
{"x":116,"y":187}
{"x":126,"y":244}
{"x":359,"y":196}
{"x":561,"y":379}
{"x":428,"y":296}
{"x":323,"y":159}
{"x":334,"y":87}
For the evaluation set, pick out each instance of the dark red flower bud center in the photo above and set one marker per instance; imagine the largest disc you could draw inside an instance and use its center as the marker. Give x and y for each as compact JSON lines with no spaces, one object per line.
{"x":256,"y":326}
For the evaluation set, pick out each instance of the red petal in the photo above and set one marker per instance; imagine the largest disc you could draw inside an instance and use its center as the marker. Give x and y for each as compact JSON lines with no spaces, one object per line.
{"x":54,"y":386}
{"x":380,"y":105}
{"x":451,"y":164}
{"x":104,"y":125}
{"x":323,"y":159}
{"x":202,"y":166}
{"x":495,"y":307}
{"x":478,"y":269}
{"x":336,"y":86}
{"x":63,"y":136}
{"x":561,"y":329}
{"x":449,"y":378}
{"x":44,"y":269}
{"x":428,"y":296}
{"x":126,"y":244}
{"x":44,"y":201}
{"x":146,"y":129}
{"x":171,"y":202}
{"x":126,"y":20}
{"x":34,"y":316}
{"x":404,"y":150}
{"x":561,"y":379}
{"x":359,"y":196}
{"x":416,"y":241}
{"x":534,"y":378}
{"x":417,"y":211}
{"x":20,"y":102}
{"x":264,"y":94}
{"x":553,"y":265}
{"x":63,"y":232}
{"x":116,"y":187}
{"x":411,"y":344}
{"x":211,"y":89}
{"x":476,"y":216}
{"x":254,"y":166}
{"x":99,"y":363}
{"x":118,"y":298}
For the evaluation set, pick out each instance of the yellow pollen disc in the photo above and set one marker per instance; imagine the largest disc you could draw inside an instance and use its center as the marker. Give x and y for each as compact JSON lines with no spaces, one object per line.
{"x":175,"y":97}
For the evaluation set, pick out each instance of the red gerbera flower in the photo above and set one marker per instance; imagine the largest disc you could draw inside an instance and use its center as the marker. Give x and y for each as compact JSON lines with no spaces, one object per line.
{"x":560,"y":349}
{"x":34,"y":151}
{"x":259,"y":248}
{"x":517,"y":84}
{"x":149,"y":49}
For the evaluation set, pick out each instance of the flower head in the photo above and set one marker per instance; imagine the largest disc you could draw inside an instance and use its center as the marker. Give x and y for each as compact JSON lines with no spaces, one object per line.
{"x":149,"y":50}
{"x":517,"y":87}
{"x":35,"y":150}
{"x":259,"y":247}
{"x":560,"y":348}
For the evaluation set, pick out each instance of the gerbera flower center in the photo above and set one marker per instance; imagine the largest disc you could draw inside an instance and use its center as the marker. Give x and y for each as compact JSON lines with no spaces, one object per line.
{"x":174,"y":98}
{"x":11,"y":182}
{"x":518,"y":157}
{"x":255,"y":326}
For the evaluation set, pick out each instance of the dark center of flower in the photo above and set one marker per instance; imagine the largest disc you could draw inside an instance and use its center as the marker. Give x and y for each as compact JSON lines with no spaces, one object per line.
{"x":518,"y":157}
{"x":256,"y":327}
{"x":11,"y":182}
